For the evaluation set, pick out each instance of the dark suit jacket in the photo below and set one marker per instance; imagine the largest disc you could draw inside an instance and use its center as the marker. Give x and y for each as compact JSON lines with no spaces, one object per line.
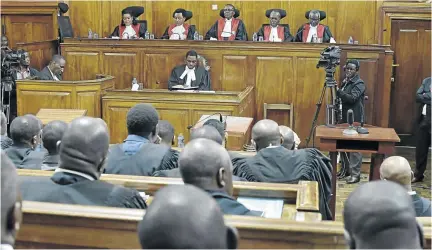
{"x":352,"y":97}
{"x":24,"y":157}
{"x":229,"y":205}
{"x":45,"y":74}
{"x":423,"y":96}
{"x":69,"y":188}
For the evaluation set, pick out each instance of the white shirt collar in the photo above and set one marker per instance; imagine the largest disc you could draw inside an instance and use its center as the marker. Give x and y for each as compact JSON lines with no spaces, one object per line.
{"x":75,"y":172}
{"x":6,"y":247}
{"x":190,"y":76}
{"x":54,"y":76}
{"x":271,"y":146}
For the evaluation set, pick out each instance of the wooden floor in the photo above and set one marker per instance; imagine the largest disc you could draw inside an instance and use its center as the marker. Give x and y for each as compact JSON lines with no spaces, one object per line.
{"x":422,"y":188}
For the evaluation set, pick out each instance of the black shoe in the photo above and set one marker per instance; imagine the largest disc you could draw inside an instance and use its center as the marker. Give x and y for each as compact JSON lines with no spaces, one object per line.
{"x":417,"y":179}
{"x":352,"y":180}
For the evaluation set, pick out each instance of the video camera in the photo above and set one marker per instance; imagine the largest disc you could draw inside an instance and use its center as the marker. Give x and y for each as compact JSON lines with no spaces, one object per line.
{"x":330,"y":57}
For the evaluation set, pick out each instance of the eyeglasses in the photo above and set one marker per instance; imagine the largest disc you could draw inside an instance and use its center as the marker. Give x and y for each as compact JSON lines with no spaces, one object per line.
{"x":228,"y":9}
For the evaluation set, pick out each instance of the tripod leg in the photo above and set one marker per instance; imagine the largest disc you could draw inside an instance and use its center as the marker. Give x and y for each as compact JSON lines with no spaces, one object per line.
{"x":314,"y":121}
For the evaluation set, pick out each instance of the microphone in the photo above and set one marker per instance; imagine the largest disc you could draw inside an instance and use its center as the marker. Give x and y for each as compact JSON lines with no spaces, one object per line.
{"x":350,"y":118}
{"x":361,"y":129}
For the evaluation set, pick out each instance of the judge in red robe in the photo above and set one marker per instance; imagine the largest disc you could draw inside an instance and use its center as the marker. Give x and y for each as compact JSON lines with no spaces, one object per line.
{"x":314,"y":31}
{"x":180,"y":30}
{"x":129,"y":27}
{"x":275,"y":32}
{"x":229,"y":27}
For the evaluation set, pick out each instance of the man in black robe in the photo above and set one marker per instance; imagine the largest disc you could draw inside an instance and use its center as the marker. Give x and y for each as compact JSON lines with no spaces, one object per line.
{"x":180,"y":30}
{"x":398,"y":169}
{"x":83,"y":151}
{"x":274,"y":163}
{"x":352,"y":93}
{"x":228,"y":27}
{"x":11,"y":215}
{"x":166,"y":133}
{"x":189,"y":75}
{"x":207,"y":165}
{"x":25,"y":133}
{"x":139,"y":154}
{"x":54,"y":70}
{"x":52,"y":134}
{"x":275,"y":32}
{"x":423,"y":96}
{"x":380,"y":215}
{"x":185,"y":217}
{"x":314,"y":31}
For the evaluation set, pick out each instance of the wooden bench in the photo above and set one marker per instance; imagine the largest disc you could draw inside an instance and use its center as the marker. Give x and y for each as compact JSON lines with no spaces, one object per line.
{"x":49,"y":225}
{"x":301,"y":201}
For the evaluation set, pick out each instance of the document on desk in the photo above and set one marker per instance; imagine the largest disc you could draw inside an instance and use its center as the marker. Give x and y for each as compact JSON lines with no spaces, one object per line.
{"x":272,"y":208}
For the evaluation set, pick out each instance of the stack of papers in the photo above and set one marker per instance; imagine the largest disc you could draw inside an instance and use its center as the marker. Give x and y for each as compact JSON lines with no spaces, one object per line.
{"x":271,"y":208}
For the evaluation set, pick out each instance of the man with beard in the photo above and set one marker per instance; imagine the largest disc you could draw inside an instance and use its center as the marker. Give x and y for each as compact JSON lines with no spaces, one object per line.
{"x":275,"y":32}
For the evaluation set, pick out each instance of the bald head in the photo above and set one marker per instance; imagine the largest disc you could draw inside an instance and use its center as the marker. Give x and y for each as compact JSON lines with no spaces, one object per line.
{"x":378,"y":211}
{"x":84,"y":146}
{"x":10,"y":209}
{"x":25,"y":130}
{"x":288,"y":137}
{"x":266,"y":133}
{"x":52,"y":133}
{"x":397,"y":169}
{"x":207,"y":165}
{"x":184,"y":217}
{"x":207,"y":132}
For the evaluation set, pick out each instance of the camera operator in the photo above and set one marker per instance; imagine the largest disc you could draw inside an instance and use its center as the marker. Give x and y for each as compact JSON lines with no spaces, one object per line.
{"x":352,"y":94}
{"x":24,"y":71}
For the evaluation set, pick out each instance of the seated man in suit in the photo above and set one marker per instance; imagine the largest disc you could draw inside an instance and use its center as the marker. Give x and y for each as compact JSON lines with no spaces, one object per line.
{"x":398,"y":169}
{"x":189,"y":75}
{"x":24,"y":70}
{"x":139,"y":154}
{"x":275,"y":32}
{"x":11,"y":214}
{"x":380,"y":215}
{"x":25,"y":133}
{"x":206,"y":164}
{"x":290,"y":138}
{"x":166,"y":133}
{"x":274,"y":163}
{"x":6,"y":142}
{"x":185,"y":217}
{"x":54,"y":70}
{"x":83,"y":151}
{"x":52,"y":134}
{"x":129,"y":27}
{"x":180,"y":30}
{"x":314,"y":30}
{"x":228,"y":27}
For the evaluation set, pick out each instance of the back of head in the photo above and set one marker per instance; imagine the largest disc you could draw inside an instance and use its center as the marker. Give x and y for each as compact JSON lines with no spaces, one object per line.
{"x":10,"y":212}
{"x":218,"y":125}
{"x":206,"y":164}
{"x":142,"y":120}
{"x":288,"y":137}
{"x":52,"y":133}
{"x":84,"y":146}
{"x":183,"y":217}
{"x":266,"y":133}
{"x":380,"y":214}
{"x":397,"y":169}
{"x":3,"y":123}
{"x":207,"y":132}
{"x":166,"y":132}
{"x":25,"y":130}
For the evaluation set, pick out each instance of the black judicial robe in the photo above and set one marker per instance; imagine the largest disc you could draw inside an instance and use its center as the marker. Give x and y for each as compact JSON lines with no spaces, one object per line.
{"x":280,"y":165}
{"x":69,"y":188}
{"x":141,"y":31}
{"x":202,"y":77}
{"x":190,"y":33}
{"x":286,"y":33}
{"x":240,"y":34}
{"x":150,"y":158}
{"x":24,"y":157}
{"x":326,"y":35}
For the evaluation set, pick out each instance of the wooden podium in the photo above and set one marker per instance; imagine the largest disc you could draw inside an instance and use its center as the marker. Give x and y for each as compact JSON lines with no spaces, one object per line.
{"x":379,"y":142}
{"x":237,"y":128}
{"x":33,"y":95}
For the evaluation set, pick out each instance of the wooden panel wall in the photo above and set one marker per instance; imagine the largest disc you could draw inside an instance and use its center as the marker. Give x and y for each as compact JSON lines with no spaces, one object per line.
{"x":40,"y":52}
{"x":345,"y":18}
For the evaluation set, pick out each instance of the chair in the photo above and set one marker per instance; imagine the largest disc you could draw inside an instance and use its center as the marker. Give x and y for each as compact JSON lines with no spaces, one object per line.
{"x":289,"y":107}
{"x":65,"y":27}
{"x":142,"y":22}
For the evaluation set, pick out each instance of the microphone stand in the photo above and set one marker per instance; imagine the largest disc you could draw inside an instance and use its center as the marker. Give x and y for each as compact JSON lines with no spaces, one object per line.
{"x":361,"y":129}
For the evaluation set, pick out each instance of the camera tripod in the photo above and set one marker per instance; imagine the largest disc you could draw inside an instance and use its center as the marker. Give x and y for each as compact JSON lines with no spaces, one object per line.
{"x":332,"y":106}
